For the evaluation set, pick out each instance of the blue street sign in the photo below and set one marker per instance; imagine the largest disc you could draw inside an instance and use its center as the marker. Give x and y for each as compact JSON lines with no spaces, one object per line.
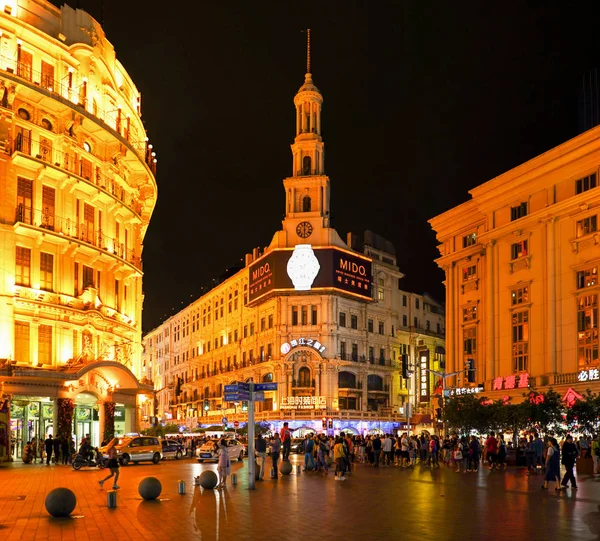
{"x":265,"y":386}
{"x":232,"y":397}
{"x":231,"y":388}
{"x":224,"y":420}
{"x":243,"y":386}
{"x":258,"y":396}
{"x":243,"y":395}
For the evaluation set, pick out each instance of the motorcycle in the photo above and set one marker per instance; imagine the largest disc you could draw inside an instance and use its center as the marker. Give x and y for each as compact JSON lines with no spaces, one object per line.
{"x":81,"y":461}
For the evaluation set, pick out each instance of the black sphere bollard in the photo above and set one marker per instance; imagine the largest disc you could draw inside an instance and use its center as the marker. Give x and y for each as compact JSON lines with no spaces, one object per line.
{"x":208,"y":480}
{"x":60,"y":502}
{"x":150,"y":488}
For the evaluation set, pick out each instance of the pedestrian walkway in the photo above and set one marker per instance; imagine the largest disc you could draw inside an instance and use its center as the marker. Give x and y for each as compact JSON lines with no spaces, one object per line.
{"x":417,"y":504}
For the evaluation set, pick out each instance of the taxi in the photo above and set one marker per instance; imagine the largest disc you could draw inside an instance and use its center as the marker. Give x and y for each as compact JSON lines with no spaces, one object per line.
{"x":137,"y":449}
{"x":209,"y":450}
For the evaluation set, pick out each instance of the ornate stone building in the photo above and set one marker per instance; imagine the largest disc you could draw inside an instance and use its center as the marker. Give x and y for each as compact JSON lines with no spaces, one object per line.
{"x":521,"y":259}
{"x":78,"y":189}
{"x":323,"y":318}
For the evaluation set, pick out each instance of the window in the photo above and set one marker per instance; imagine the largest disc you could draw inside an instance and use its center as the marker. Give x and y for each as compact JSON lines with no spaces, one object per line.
{"x":520,"y":340}
{"x":469,"y":240}
{"x":22,"y":351}
{"x":88,"y":277}
{"x":518,"y":249}
{"x":518,"y":212}
{"x":270,"y":321}
{"x":469,"y":273}
{"x":304,"y":315}
{"x":587,"y":331}
{"x":587,"y":277}
{"x":252,"y":329}
{"x":269,"y":351}
{"x":371,"y":353}
{"x":380,"y":289}
{"x":470,"y":340}
{"x":262,"y":353}
{"x":417,"y":304}
{"x":294,"y":315}
{"x":342,"y":319}
{"x":306,"y":202}
{"x":354,"y":351}
{"x":381,"y":355}
{"x":262,"y":324}
{"x":519,"y":295}
{"x":313,"y":316}
{"x":342,"y":350}
{"x":46,"y":271}
{"x":469,"y":314}
{"x":370,"y":325}
{"x":403,"y":300}
{"x":304,"y":377}
{"x":23,"y":266}
{"x":48,"y":76}
{"x":24,"y":200}
{"x":405,"y":320}
{"x":353,"y":321}
{"x":44,"y":344}
{"x":586,"y":183}
{"x":267,"y":377}
{"x":48,"y":202}
{"x":245,"y":331}
{"x":415,"y":322}
{"x":381,"y":328}
{"x":346,"y":380}
{"x":586,"y":226}
{"x":24,"y":61}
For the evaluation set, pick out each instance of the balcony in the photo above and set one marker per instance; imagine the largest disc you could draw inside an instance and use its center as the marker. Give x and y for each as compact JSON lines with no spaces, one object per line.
{"x":303,"y":384}
{"x":65,"y":228}
{"x":23,"y":148}
{"x":76,"y":99}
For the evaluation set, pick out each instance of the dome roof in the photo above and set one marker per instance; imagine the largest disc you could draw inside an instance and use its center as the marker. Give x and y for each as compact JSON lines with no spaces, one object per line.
{"x":308,"y":85}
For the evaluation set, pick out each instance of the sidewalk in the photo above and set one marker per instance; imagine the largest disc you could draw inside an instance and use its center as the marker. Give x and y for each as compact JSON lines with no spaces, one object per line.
{"x":373,"y":503}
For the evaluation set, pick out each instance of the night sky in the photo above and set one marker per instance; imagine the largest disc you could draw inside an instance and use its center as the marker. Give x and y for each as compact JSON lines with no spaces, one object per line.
{"x":422,"y":102}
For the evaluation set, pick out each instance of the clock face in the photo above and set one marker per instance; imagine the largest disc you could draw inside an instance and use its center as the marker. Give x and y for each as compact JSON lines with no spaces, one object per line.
{"x":304,"y":230}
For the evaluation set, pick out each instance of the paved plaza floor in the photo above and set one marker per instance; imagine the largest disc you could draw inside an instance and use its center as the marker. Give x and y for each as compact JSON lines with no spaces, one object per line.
{"x":384,"y":503}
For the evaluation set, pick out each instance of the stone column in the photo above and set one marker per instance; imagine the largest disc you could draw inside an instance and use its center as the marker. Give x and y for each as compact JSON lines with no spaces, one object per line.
{"x":318,"y":120}
{"x":451,"y":330}
{"x":490,"y":364}
{"x":101,"y":420}
{"x":551,"y":306}
{"x":55,"y":417}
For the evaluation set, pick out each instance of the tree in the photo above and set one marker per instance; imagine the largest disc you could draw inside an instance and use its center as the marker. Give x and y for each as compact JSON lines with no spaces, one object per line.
{"x":467,"y":413}
{"x":546,"y":412}
{"x":583,"y":414}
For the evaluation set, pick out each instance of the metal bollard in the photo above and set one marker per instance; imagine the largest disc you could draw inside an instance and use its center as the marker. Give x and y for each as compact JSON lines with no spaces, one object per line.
{"x":111,"y":497}
{"x":234,"y":478}
{"x":180,"y":487}
{"x":298,"y":469}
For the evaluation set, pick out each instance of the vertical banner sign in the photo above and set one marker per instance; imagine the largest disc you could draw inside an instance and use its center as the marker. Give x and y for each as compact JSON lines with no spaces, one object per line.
{"x":424,"y":375}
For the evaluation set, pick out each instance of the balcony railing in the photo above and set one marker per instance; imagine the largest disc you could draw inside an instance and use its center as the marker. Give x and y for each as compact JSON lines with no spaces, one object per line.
{"x":74,"y":164}
{"x":46,"y":219}
{"x":115,"y":119}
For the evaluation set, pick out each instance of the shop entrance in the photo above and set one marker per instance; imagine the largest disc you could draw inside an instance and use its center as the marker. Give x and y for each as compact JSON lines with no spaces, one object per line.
{"x":86,"y":419}
{"x":30,"y":421}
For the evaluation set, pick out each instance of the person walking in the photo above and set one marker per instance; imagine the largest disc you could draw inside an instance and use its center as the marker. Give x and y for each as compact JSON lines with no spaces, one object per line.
{"x":56,"y":448}
{"x":339,"y":456}
{"x":224,"y":464}
{"x":49,"y":446}
{"x":474,"y":452}
{"x":64,"y":449}
{"x":376,"y":449}
{"x":275,"y":446}
{"x":260,"y":446}
{"x":530,"y":461}
{"x":113,"y":464}
{"x":538,"y":445}
{"x":308,"y":445}
{"x":569,"y":456}
{"x":552,"y":464}
{"x":322,"y":455}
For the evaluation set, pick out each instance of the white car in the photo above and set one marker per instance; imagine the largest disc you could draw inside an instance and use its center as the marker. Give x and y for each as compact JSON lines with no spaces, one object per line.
{"x":208,"y":451}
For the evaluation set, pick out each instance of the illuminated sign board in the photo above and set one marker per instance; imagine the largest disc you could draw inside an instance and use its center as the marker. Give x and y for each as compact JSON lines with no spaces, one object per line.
{"x":424,"y":376}
{"x":514,"y":381}
{"x":303,"y":403}
{"x":309,"y":268}
{"x":593,"y":374}
{"x":465,"y":390}
{"x":286,"y":347}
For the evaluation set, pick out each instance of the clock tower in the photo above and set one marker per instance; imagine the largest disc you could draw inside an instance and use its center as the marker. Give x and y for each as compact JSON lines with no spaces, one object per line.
{"x":307,"y":191}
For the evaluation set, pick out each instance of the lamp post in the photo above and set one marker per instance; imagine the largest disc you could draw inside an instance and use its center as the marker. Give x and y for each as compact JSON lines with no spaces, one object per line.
{"x":444,"y":375}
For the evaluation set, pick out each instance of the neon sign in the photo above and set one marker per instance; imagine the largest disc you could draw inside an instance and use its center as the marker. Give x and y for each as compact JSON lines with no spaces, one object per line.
{"x":514,"y":381}
{"x":593,"y":374}
{"x":286,"y":347}
{"x":303,"y":403}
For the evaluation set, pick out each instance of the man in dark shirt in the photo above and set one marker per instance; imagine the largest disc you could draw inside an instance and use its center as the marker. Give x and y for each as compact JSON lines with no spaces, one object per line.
{"x":260,"y":448}
{"x":569,"y":455}
{"x":49,"y":446}
{"x":309,"y":446}
{"x":377,"y":449}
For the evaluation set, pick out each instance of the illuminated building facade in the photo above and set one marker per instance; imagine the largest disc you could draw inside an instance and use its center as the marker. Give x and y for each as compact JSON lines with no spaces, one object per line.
{"x":322,"y":318}
{"x":78,"y":189}
{"x":521,"y":260}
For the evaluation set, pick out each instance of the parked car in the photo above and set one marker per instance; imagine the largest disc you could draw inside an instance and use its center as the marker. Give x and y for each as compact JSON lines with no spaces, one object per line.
{"x":172,"y":449}
{"x":296,"y":445}
{"x":208,"y":451}
{"x":138,"y":449}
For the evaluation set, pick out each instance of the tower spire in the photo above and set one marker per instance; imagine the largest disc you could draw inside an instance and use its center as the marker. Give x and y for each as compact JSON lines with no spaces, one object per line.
{"x":308,"y":50}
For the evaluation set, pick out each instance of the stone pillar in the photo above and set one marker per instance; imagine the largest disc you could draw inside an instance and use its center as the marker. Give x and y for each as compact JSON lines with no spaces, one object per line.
{"x":55,"y":428}
{"x":451,"y":329}
{"x":318,"y":120}
{"x":490,"y":364}
{"x":101,"y":420}
{"x":298,"y":120}
{"x":551,"y":294}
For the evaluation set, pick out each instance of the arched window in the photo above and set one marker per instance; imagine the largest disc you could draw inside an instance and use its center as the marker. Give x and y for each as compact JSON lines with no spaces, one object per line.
{"x":306,"y":204}
{"x":268,"y":377}
{"x":374,"y":383}
{"x":219,"y":391}
{"x":346,"y":380}
{"x":304,"y":377}
{"x":206,"y":393}
{"x":306,"y":163}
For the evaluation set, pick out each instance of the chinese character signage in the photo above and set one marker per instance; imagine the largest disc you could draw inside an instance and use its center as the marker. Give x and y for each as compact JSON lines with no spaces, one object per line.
{"x":424,"y":376}
{"x":303,"y":403}
{"x":465,"y":390}
{"x":514,"y":381}
{"x":286,"y":347}
{"x":593,"y":374}
{"x":336,"y":269}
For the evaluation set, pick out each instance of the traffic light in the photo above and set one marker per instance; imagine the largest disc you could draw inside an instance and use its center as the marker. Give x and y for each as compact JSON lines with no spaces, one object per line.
{"x":471,"y":370}
{"x":206,"y":404}
{"x":324,"y":422}
{"x":330,"y":423}
{"x":405,"y":373}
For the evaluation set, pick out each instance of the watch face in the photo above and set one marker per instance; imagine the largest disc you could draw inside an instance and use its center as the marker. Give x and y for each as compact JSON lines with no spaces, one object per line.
{"x":304,"y":230}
